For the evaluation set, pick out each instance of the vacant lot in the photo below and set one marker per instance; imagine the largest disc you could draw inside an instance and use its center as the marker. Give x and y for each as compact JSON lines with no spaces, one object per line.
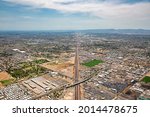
{"x":92,"y":63}
{"x":5,"y":79}
{"x":56,"y":67}
{"x":148,"y":74}
{"x":4,"y":76}
{"x":63,"y":68}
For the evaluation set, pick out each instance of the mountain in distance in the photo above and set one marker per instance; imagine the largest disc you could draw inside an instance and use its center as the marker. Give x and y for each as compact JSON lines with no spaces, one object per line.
{"x":105,"y":31}
{"x":118,"y":31}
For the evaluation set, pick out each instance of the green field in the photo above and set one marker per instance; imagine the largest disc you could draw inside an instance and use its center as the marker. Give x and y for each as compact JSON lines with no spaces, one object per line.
{"x":6,"y":82}
{"x":92,"y":63}
{"x":146,"y":79}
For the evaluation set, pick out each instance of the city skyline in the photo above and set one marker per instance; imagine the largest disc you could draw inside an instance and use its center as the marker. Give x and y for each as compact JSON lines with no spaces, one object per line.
{"x":74,"y":14}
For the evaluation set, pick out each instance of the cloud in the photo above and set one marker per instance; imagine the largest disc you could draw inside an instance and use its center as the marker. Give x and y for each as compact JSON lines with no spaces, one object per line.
{"x":105,"y":9}
{"x":27,"y":17}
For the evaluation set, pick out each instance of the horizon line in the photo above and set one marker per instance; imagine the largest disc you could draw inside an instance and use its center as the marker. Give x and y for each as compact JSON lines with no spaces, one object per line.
{"x":81,"y":29}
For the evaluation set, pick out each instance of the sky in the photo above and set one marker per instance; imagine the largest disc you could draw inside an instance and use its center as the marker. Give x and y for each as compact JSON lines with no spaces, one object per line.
{"x":74,"y":14}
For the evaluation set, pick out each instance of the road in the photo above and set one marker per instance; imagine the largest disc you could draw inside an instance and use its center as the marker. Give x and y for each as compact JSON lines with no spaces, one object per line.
{"x":77,"y":95}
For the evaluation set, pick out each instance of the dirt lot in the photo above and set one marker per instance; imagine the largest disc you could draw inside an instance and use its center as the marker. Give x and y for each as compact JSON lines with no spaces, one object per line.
{"x":4,"y":76}
{"x":66,"y":69}
{"x":63,"y":68}
{"x":148,"y":74}
{"x":69,"y":94}
{"x":1,"y":86}
{"x":56,"y":67}
{"x":71,"y":60}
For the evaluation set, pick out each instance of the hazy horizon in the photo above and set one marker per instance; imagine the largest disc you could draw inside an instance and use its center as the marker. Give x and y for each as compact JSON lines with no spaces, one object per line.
{"x":115,"y":29}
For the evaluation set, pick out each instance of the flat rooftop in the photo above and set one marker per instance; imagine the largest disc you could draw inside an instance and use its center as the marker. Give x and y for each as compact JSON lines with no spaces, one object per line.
{"x":39,"y":85}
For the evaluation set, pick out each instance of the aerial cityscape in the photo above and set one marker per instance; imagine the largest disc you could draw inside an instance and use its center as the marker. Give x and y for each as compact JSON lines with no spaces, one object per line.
{"x":74,"y":50}
{"x":56,"y":65}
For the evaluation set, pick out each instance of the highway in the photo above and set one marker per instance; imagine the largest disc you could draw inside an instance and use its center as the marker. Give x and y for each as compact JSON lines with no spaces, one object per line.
{"x":77,"y":95}
{"x":77,"y":81}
